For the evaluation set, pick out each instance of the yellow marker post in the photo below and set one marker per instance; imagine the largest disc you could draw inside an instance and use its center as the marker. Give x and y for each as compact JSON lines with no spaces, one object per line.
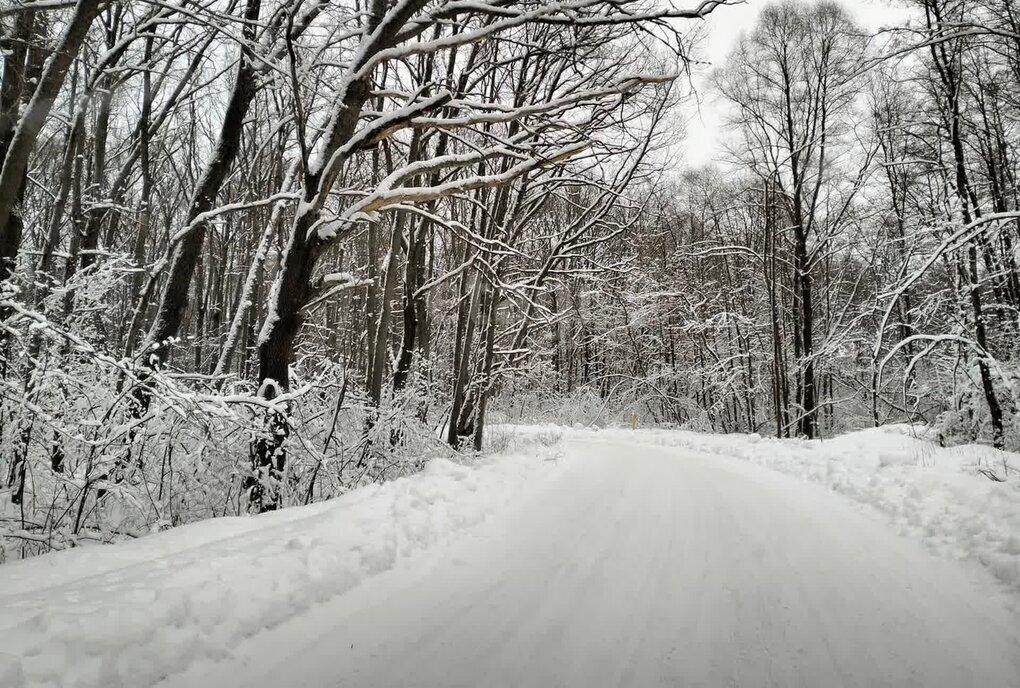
{"x":633,"y":420}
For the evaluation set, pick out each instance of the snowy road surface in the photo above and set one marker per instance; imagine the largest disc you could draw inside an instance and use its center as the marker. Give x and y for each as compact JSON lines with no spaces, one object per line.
{"x":641,"y":566}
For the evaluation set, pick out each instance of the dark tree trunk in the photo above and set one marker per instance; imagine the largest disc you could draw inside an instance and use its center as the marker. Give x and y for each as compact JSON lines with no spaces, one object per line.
{"x":485,"y":384}
{"x":185,"y":257}
{"x":946,"y":66}
{"x":25,"y":133}
{"x":461,"y":372}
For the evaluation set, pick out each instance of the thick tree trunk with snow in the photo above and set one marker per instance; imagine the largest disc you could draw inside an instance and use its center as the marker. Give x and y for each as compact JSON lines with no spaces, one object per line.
{"x":381,"y":344}
{"x":29,"y":124}
{"x":411,"y":304}
{"x":461,"y":370}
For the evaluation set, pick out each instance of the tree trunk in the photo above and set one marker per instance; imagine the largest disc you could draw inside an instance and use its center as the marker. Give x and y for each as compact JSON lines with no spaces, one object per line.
{"x":19,"y":151}
{"x":185,"y":257}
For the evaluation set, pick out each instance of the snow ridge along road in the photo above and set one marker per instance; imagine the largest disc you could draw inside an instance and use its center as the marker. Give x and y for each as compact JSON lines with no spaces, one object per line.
{"x":643,"y":566}
{"x":128,"y":615}
{"x":620,"y":563}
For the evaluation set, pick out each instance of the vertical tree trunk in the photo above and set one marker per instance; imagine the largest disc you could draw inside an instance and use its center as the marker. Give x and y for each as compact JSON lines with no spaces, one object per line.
{"x":485,"y":383}
{"x":413,"y":268}
{"x":185,"y":256}
{"x":252,"y":280}
{"x":461,"y":362}
{"x":145,"y":203}
{"x":381,"y":345}
{"x":809,"y":417}
{"x":951,"y":84}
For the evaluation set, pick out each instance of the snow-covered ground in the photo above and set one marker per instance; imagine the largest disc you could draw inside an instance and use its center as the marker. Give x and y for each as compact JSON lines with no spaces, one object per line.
{"x":576,"y":558}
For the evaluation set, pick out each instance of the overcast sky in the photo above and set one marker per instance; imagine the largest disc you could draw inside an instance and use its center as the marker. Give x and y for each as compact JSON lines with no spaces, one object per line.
{"x":724,"y":26}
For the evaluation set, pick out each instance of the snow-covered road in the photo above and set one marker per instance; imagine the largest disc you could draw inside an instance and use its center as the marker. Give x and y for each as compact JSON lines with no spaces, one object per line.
{"x":642,"y":566}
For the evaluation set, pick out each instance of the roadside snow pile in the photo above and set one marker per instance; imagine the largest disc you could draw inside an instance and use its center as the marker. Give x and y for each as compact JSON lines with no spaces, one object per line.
{"x":130,"y":614}
{"x":944,"y":496}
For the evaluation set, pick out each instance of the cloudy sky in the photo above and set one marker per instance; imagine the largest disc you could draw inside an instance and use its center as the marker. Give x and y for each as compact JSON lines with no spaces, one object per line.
{"x":724,"y":26}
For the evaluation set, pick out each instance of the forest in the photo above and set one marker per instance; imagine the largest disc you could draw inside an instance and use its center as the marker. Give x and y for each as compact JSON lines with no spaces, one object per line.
{"x":257,"y":253}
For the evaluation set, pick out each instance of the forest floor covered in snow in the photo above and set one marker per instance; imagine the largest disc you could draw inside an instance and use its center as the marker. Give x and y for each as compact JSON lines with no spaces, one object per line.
{"x":186,"y":601}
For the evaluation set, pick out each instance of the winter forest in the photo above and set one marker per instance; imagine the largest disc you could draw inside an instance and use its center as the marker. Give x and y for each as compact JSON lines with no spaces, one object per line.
{"x":257,"y":253}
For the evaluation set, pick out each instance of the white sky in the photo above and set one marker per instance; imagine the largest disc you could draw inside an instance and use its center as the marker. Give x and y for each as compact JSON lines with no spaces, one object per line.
{"x":703,"y":144}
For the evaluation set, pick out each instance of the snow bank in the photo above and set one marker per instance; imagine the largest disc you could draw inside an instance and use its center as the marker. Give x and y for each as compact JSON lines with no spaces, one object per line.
{"x":937,"y":494}
{"x":130,"y":614}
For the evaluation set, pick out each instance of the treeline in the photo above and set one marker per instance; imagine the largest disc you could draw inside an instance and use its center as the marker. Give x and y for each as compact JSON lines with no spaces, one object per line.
{"x":853,"y":263}
{"x":257,"y":252}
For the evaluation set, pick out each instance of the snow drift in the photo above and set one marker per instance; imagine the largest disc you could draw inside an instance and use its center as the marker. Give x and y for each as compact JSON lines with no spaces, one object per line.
{"x":130,"y":614}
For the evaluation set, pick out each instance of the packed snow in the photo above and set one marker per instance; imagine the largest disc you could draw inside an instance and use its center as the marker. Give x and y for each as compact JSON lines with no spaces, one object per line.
{"x":575,"y":557}
{"x":949,"y":497}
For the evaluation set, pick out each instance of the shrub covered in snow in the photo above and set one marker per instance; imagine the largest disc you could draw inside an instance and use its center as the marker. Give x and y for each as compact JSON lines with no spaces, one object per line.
{"x":82,"y":464}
